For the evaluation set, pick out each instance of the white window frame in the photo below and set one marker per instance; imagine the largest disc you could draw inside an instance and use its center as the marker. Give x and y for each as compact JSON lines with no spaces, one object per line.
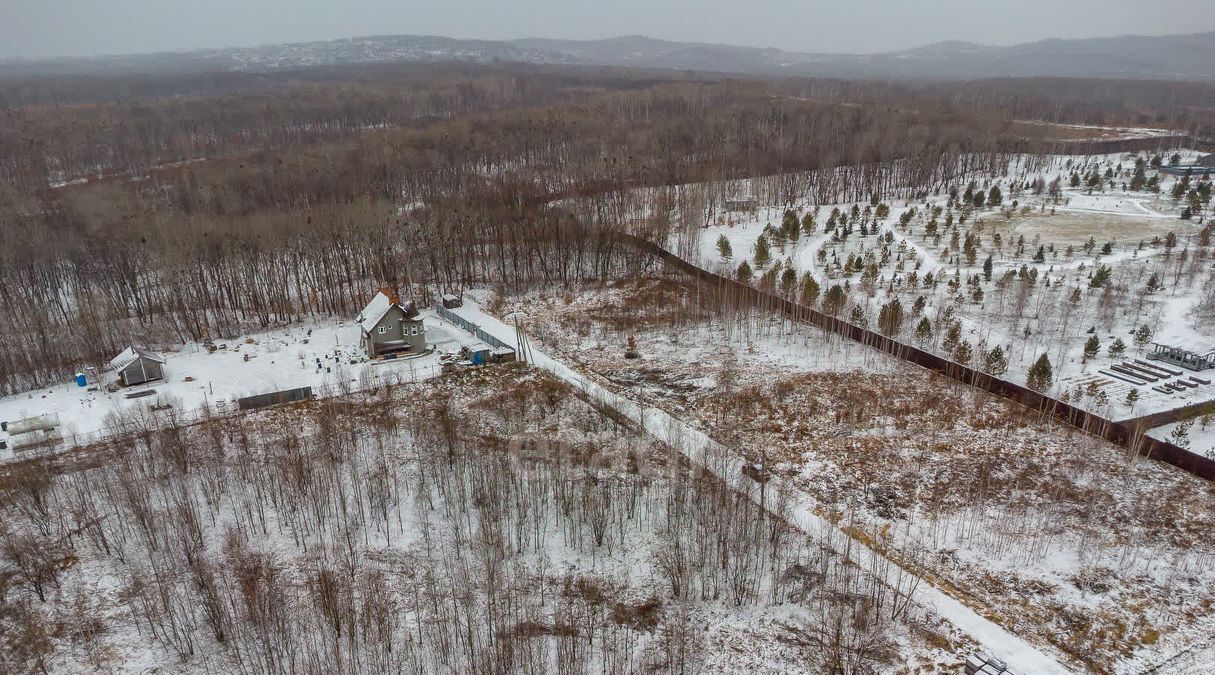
{"x":382,"y":330}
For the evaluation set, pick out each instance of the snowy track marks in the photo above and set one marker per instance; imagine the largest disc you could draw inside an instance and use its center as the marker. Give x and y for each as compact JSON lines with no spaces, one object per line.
{"x":696,"y":446}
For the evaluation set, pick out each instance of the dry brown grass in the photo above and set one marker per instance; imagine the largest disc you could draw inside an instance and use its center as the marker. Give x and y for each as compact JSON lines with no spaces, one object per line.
{"x":906,"y":446}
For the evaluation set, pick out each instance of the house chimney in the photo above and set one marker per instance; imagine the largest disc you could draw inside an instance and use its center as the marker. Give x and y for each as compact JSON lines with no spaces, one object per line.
{"x":392,"y":295}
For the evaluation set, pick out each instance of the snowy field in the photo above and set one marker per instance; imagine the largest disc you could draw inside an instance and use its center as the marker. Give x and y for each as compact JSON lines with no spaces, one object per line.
{"x":1036,"y":296}
{"x":316,"y":353}
{"x":1198,"y":434}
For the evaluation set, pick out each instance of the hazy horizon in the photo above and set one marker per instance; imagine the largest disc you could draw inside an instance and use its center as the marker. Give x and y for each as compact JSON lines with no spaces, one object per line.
{"x":82,"y":28}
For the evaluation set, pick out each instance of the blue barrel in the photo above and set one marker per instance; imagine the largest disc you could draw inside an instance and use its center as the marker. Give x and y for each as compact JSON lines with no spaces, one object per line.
{"x":81,"y":380}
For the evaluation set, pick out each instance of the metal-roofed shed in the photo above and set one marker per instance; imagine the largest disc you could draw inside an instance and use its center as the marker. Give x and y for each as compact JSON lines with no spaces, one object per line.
{"x":1188,"y":352}
{"x":136,"y":365}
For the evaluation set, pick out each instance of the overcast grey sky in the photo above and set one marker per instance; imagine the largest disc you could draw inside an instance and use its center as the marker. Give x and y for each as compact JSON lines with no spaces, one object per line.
{"x":39,"y":28}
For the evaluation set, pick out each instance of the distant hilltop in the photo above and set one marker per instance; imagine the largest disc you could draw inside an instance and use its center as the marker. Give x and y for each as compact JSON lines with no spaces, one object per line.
{"x":1172,"y":57}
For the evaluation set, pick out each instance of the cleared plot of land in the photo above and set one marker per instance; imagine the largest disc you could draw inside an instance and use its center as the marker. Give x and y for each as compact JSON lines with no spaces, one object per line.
{"x":1057,"y":536}
{"x":1077,"y":228}
{"x":316,"y":354}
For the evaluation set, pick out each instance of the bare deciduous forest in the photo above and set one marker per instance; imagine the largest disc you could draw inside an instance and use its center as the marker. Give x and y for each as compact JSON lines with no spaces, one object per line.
{"x":457,"y":533}
{"x":496,"y":520}
{"x":184,"y":206}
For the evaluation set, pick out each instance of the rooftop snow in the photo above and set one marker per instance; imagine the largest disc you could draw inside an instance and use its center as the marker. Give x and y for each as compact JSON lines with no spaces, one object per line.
{"x":128,"y":356}
{"x":374,"y":311}
{"x":1195,"y":344}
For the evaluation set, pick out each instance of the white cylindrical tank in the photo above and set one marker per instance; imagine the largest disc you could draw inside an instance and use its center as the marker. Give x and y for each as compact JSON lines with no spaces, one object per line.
{"x":39,"y":423}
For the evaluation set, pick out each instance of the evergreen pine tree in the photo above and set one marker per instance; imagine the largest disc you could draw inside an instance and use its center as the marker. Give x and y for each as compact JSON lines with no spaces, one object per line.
{"x":790,"y":226}
{"x":763,"y":252}
{"x":1181,"y":434}
{"x":1091,"y":347}
{"x":1040,"y":374}
{"x":1100,"y":277}
{"x":890,"y":318}
{"x":810,"y":290}
{"x":788,"y":282}
{"x":834,"y":299}
{"x":724,"y":248}
{"x":1139,"y":178}
{"x":963,"y":353}
{"x":1143,"y":335}
{"x":953,"y":335}
{"x":744,"y":273}
{"x":858,"y":316}
{"x":995,"y":362}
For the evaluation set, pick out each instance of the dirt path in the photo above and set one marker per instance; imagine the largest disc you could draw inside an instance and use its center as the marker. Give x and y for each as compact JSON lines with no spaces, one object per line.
{"x":697,"y":446}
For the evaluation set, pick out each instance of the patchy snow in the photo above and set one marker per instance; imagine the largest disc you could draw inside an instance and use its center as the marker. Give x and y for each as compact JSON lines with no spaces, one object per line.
{"x":1017,"y":513}
{"x":1106,"y":132}
{"x":698,"y":447}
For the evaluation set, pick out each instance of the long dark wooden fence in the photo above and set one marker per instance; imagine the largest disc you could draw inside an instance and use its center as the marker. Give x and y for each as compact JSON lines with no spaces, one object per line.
{"x":275,"y":398}
{"x":1130,"y":433}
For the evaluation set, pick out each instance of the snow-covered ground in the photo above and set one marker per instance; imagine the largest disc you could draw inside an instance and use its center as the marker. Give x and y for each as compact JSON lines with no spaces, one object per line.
{"x":316,"y":353}
{"x":1197,"y":435}
{"x":1025,"y":320}
{"x":564,"y":558}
